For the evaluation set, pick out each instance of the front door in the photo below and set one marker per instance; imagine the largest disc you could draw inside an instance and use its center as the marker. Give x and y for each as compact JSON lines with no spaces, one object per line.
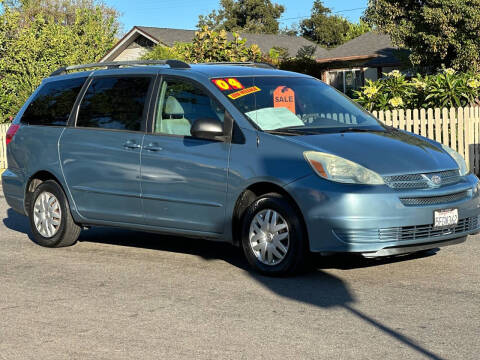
{"x":184,"y":179}
{"x":101,"y":155}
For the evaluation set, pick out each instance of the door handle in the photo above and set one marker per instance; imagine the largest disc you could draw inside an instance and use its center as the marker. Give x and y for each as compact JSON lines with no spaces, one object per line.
{"x":130,"y":144}
{"x":153,"y":147}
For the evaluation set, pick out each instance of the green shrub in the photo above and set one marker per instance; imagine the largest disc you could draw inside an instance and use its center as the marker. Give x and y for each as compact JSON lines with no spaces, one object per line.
{"x":36,"y":41}
{"x":445,"y":89}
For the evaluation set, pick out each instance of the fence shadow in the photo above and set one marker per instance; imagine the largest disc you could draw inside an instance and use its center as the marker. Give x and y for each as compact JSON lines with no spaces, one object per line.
{"x":315,"y":287}
{"x":474,"y":156}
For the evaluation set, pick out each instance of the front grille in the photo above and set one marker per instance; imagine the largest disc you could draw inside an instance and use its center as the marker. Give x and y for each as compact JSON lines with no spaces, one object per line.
{"x":406,"y":233}
{"x":418,"y":181}
{"x":435,"y":200}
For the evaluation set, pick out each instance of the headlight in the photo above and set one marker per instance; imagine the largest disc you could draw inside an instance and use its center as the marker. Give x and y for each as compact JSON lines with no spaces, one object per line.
{"x":462,"y":165}
{"x":338,"y":169}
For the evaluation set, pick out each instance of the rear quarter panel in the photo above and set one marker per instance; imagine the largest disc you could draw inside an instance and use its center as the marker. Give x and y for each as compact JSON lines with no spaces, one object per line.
{"x":33,"y":149}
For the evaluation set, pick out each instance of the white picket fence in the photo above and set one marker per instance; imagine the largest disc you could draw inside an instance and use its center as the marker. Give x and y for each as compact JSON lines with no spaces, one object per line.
{"x":3,"y":147}
{"x":457,"y":128}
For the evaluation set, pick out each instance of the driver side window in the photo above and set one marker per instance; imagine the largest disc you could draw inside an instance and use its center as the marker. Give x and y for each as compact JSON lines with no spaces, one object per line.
{"x":180,"y":104}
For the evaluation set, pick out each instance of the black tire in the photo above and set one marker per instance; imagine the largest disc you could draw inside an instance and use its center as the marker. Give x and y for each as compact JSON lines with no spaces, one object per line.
{"x":68,"y":232}
{"x":296,"y":256}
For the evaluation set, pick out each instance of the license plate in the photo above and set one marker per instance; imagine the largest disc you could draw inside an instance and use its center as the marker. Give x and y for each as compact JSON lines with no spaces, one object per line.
{"x":445,"y":218}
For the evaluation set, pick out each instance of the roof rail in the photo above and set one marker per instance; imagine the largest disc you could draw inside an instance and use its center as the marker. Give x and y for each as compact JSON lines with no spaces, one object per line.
{"x":246,"y":63}
{"x":174,"y":64}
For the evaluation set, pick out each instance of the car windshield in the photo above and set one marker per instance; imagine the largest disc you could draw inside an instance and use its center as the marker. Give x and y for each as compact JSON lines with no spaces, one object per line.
{"x":295,"y":105}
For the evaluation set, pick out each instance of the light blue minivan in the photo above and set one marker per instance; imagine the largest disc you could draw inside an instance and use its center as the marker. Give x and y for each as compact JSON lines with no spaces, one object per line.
{"x":275,"y":162}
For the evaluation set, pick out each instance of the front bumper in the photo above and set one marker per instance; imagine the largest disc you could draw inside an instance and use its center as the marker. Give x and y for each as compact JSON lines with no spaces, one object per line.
{"x":407,"y":249}
{"x":368,"y":219}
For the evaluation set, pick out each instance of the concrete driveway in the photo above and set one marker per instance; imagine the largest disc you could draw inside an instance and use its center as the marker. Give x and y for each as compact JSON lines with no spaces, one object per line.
{"x":128,"y":295}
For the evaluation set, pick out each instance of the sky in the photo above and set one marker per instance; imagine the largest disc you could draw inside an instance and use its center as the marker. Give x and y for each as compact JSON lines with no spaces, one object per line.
{"x":183,"y":14}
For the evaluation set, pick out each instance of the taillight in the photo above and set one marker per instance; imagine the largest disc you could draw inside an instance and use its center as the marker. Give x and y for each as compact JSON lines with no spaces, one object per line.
{"x":11,"y":132}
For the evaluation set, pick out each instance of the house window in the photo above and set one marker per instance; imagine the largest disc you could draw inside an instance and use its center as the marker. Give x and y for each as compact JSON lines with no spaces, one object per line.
{"x":346,"y":80}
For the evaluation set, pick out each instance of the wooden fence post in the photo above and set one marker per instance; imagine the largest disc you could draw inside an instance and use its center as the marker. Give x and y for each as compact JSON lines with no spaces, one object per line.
{"x":476,"y":139}
{"x":395,"y":119}
{"x":416,"y":121}
{"x":430,"y":124}
{"x":409,"y":120}
{"x":388,"y":118}
{"x":466,"y":132}
{"x":471,"y":147}
{"x":453,"y":129}
{"x":445,"y":127}
{"x":401,"y":116}
{"x":423,"y":123}
{"x":460,"y":138}
{"x":438,"y":125}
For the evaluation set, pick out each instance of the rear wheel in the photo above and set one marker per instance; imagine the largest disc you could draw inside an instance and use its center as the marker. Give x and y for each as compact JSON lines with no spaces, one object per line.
{"x":273,"y":238}
{"x":50,"y":219}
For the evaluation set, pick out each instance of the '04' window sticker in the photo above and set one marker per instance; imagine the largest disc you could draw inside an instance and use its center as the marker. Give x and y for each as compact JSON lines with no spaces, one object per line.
{"x":225,"y":84}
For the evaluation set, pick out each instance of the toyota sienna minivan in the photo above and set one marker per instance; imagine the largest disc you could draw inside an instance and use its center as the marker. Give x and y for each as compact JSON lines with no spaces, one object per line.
{"x":275,"y":162}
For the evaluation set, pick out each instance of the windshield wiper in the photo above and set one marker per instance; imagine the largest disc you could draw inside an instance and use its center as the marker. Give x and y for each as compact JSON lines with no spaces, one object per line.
{"x":288,"y":132}
{"x":294,"y":127}
{"x":291,"y":130}
{"x":352,"y":129}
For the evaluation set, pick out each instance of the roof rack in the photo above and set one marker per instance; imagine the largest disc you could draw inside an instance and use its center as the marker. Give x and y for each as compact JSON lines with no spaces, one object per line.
{"x":246,"y":63}
{"x":174,"y":64}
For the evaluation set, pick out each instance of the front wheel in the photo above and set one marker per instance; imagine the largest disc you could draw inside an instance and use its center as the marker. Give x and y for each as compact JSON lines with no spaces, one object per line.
{"x":50,"y":219}
{"x":273,"y":238}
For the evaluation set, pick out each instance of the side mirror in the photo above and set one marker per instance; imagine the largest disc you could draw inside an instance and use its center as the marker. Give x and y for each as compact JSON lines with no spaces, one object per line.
{"x":208,"y":129}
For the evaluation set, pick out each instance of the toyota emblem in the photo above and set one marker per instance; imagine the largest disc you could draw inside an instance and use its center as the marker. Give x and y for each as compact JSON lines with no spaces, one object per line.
{"x":437,"y":180}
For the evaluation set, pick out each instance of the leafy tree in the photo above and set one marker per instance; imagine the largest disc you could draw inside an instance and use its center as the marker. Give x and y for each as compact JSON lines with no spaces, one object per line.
{"x":208,"y":46}
{"x":436,"y":31}
{"x":357,"y":29}
{"x":254,"y":16}
{"x":63,"y":11}
{"x":323,"y":28}
{"x":34,"y":41}
{"x":179,"y":51}
{"x":330,"y":30}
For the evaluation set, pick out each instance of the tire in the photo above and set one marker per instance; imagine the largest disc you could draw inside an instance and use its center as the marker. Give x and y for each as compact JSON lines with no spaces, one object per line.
{"x":59,"y":230}
{"x":256,"y":251}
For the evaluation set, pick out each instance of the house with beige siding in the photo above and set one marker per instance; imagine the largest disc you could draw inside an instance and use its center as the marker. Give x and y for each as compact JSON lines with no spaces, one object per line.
{"x":368,"y":56}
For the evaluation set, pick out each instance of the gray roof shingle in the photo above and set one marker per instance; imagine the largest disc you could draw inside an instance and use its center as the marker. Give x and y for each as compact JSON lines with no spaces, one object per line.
{"x":169,"y":36}
{"x":372,"y":48}
{"x":373,"y":44}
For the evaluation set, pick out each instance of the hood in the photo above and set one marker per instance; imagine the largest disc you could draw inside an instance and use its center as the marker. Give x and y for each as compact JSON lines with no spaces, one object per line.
{"x":387,"y":153}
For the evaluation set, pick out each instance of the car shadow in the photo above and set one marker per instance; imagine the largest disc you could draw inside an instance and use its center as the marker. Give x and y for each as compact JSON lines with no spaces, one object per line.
{"x":17,"y":222}
{"x":315,"y":286}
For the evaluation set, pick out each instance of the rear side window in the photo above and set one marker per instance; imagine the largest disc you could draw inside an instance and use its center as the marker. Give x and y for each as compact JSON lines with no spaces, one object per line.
{"x":116,"y":103}
{"x":53,"y":103}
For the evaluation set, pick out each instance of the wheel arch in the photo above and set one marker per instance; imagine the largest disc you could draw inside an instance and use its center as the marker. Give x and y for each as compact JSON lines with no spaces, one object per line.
{"x":253,"y":192}
{"x":34,"y":181}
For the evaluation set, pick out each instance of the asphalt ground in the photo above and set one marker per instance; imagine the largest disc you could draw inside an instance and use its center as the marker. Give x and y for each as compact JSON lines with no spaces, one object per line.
{"x":128,"y":295}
